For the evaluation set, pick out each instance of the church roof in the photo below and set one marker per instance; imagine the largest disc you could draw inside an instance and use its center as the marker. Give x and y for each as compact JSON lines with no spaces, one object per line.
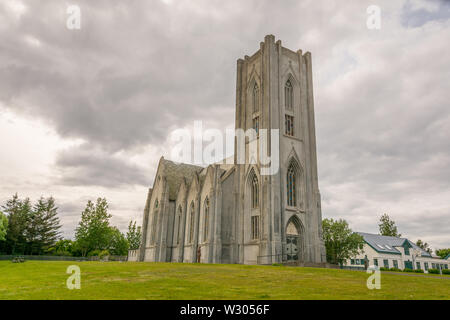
{"x":175,"y":172}
{"x":385,"y":244}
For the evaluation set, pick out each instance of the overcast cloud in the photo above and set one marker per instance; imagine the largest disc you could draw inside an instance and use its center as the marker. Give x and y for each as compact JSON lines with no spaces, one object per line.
{"x":87,"y":113}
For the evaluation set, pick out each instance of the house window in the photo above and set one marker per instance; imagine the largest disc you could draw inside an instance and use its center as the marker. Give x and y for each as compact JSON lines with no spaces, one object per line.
{"x":256,"y":125}
{"x":291,"y":180}
{"x":289,"y":125}
{"x":425,"y":265}
{"x":358,"y":262}
{"x":191,"y":224}
{"x":386,"y":263}
{"x":375,"y":262}
{"x":433,"y":266}
{"x":352,"y":261}
{"x":406,"y":251}
{"x":288,"y":95}
{"x":446,"y":266}
{"x":255,"y":98}
{"x":206,"y":220}
{"x":395,"y":264}
{"x":418,"y":265}
{"x":255,"y":227}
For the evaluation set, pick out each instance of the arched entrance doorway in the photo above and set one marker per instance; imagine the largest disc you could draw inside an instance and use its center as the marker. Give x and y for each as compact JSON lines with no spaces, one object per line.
{"x":293,"y":240}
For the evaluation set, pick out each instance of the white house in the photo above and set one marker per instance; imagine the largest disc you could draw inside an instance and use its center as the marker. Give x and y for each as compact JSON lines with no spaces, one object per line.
{"x":393,"y":252}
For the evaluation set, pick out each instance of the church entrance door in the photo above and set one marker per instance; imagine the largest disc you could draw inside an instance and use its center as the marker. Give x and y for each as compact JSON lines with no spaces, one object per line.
{"x":293,"y":241}
{"x":292,"y":246}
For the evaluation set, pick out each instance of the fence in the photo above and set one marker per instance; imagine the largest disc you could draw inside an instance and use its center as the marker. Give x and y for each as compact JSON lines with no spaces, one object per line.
{"x":64,"y":258}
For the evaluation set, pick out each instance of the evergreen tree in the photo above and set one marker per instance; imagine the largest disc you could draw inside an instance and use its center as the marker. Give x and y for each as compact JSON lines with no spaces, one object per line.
{"x":18,"y":212}
{"x":93,"y":231}
{"x":43,"y":227}
{"x":387,"y":227}
{"x":134,"y":235}
{"x":3,"y":226}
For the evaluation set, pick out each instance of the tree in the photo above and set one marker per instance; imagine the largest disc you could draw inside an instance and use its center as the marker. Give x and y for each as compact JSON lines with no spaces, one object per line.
{"x":119,"y":244}
{"x":340,"y":242}
{"x":18,"y":212}
{"x":93,"y":231}
{"x":134,"y":235}
{"x":387,"y":227}
{"x":3,"y":226}
{"x":43,"y":226}
{"x":424,"y":246}
{"x":443,"y":252}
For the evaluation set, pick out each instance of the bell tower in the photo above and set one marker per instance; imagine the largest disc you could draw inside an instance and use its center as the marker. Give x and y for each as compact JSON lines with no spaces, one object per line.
{"x":274,"y":91}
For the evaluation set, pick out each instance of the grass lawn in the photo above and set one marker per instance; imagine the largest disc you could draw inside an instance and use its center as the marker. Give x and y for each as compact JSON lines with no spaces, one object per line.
{"x":128,"y":280}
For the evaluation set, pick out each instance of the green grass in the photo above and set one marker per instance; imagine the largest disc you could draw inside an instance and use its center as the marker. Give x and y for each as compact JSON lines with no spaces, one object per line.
{"x":114,"y":280}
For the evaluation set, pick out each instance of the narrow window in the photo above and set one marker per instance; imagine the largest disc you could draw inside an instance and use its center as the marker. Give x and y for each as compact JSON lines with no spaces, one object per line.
{"x":255,"y":195}
{"x":154,"y":222}
{"x":375,"y":262}
{"x":291,"y":187}
{"x":418,"y":265}
{"x":179,"y":225}
{"x":206,"y":229}
{"x":255,"y":98}
{"x":395,"y":264}
{"x":289,"y":125}
{"x":426,"y":266}
{"x":191,"y":224}
{"x":255,"y":227}
{"x":386,"y":263}
{"x":288,"y":95}
{"x":256,"y":125}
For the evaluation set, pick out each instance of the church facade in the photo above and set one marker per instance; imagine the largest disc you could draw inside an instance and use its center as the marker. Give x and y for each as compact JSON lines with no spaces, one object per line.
{"x":231,"y":213}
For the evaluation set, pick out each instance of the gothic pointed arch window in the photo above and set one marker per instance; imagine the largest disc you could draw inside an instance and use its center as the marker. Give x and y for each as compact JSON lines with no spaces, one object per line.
{"x":255,"y":98}
{"x":206,"y":221}
{"x":154,"y":222}
{"x":255,"y":190}
{"x":191,"y":223}
{"x":291,"y":185}
{"x":288,"y":95}
{"x":254,"y":198}
{"x":180,"y":211}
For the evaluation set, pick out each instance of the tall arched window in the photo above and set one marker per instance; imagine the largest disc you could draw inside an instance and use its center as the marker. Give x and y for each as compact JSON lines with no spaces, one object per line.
{"x":191,"y":223}
{"x":291,"y":180}
{"x":288,"y":95}
{"x":255,"y":191}
{"x":206,"y":221}
{"x":154,"y":222}
{"x":178,"y":224}
{"x":255,"y":97}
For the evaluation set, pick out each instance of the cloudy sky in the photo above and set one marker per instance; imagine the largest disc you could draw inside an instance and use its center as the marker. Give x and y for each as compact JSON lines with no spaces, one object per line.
{"x":87,"y":113}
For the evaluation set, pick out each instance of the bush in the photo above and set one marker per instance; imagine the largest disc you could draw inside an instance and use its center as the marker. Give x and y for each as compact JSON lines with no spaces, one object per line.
{"x":93,"y":253}
{"x":446,"y":271}
{"x":103,"y":254}
{"x":384,"y":269}
{"x":418,"y":271}
{"x":395,"y":269}
{"x":434,"y":271}
{"x":408,"y":270}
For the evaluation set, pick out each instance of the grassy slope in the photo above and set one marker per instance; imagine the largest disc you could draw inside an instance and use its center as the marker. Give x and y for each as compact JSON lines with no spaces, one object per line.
{"x":111,"y":280}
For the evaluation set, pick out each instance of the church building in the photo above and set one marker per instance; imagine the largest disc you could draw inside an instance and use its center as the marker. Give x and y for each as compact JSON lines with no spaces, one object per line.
{"x":230,"y":212}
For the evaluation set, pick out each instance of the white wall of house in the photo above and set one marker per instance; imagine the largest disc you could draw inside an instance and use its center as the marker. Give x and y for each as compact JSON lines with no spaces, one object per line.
{"x":381,"y":259}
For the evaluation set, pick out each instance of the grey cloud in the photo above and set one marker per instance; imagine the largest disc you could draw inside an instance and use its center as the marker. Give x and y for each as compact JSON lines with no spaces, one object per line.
{"x":86,"y":166}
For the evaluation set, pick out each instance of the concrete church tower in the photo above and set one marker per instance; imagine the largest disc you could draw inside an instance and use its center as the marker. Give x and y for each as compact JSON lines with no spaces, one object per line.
{"x":275,"y":91}
{"x":232,"y":212}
